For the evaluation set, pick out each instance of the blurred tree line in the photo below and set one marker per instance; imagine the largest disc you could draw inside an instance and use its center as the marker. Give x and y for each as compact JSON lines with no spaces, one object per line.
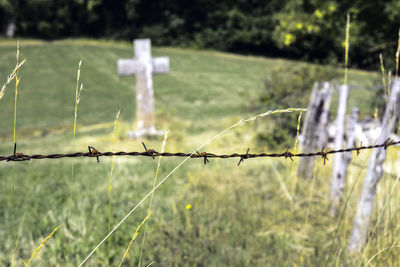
{"x":311,"y":30}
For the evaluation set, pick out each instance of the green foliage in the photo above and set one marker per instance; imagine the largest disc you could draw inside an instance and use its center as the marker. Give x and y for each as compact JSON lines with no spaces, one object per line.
{"x":310,"y":30}
{"x":289,"y":87}
{"x":314,"y":30}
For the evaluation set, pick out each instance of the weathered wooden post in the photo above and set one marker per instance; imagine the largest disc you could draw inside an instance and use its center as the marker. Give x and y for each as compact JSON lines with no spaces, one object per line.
{"x":374,"y":174}
{"x":337,"y":196}
{"x":351,"y":134}
{"x":315,"y":134}
{"x":143,"y":66}
{"x":339,"y":172}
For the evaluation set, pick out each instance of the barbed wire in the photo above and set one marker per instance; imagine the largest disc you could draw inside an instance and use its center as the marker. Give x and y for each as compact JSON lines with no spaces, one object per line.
{"x":94,"y":153}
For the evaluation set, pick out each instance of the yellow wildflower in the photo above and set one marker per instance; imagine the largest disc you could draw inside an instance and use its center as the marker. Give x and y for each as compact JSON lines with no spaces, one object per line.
{"x":289,"y":39}
{"x":318,"y":13}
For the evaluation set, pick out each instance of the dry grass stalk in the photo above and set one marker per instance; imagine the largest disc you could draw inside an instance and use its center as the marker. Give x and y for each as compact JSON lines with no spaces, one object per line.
{"x":397,"y":56}
{"x":78,"y":92}
{"x":111,"y":175}
{"x":41,"y":245}
{"x":16,"y":95}
{"x":10,"y":78}
{"x":133,"y":238}
{"x":14,"y":252}
{"x":385,"y":89}
{"x":152,"y":195}
{"x":347,"y":45}
{"x":294,"y":177}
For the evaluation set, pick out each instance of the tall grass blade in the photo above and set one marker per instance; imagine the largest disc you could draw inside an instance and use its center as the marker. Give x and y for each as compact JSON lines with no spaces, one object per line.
{"x":385,"y":87}
{"x":78,"y":91}
{"x":111,"y":177}
{"x":379,"y":252}
{"x":14,"y":76}
{"x":17,"y":241}
{"x":294,"y":176}
{"x":10,"y":78}
{"x":152,"y":195}
{"x":397,"y":56}
{"x":347,"y":45}
{"x":41,"y":245}
{"x":133,"y":238}
{"x":16,"y":95}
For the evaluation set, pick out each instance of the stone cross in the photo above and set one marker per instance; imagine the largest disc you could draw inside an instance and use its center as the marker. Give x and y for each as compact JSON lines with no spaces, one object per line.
{"x":143,"y":66}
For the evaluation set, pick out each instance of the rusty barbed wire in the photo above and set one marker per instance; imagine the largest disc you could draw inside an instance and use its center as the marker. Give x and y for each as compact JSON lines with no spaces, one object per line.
{"x":94,"y":153}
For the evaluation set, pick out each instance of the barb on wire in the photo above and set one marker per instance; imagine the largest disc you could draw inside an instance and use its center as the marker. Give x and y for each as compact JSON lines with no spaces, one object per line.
{"x":242,"y":158}
{"x":93,"y":152}
{"x":17,"y":156}
{"x":202,"y":155}
{"x":324,"y":154}
{"x":288,"y":154}
{"x":150,"y":152}
{"x":358,"y":148}
{"x":387,"y":143}
{"x":205,"y":155}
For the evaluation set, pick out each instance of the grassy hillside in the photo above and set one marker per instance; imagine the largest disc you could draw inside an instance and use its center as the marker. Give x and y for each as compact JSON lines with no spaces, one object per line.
{"x":238,"y":215}
{"x":194,"y":90}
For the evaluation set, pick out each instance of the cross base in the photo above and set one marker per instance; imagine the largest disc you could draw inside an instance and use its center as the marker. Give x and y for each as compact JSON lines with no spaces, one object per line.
{"x":145,"y":133}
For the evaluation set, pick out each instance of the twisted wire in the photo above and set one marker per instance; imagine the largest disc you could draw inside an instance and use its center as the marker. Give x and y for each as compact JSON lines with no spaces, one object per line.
{"x":205,"y":155}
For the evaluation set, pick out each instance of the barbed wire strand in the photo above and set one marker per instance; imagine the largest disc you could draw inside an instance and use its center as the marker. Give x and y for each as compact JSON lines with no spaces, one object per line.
{"x":205,"y":155}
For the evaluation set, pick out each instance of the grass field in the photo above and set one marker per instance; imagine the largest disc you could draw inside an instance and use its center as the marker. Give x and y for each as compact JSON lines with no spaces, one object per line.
{"x":239,"y":215}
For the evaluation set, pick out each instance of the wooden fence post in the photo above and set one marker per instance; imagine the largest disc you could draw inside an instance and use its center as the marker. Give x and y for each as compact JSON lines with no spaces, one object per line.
{"x":339,"y":172}
{"x":375,"y":170}
{"x":315,"y":133}
{"x":337,"y":196}
{"x":351,"y":134}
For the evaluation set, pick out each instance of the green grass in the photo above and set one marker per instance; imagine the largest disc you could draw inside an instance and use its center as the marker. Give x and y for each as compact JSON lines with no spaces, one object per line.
{"x":195,"y":89}
{"x":240,"y":215}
